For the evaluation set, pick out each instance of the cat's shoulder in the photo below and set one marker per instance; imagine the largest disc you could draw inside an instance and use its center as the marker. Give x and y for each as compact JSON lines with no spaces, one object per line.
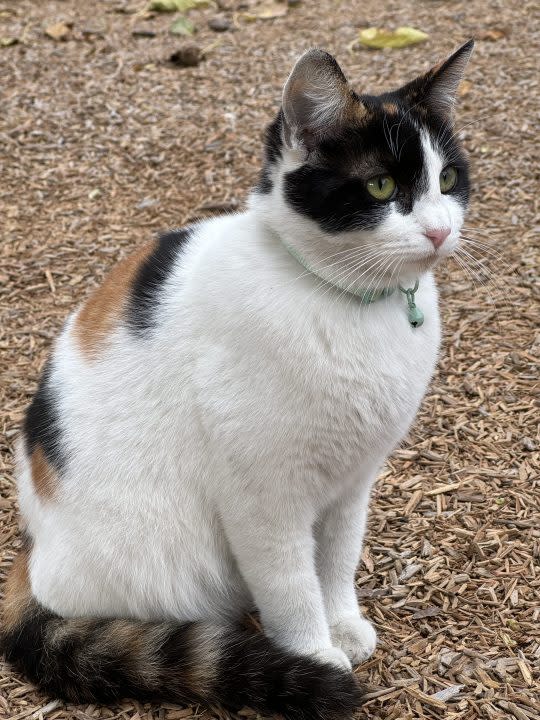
{"x":129,"y":293}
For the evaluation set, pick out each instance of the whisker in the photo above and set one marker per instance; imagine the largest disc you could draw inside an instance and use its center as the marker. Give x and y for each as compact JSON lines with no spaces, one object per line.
{"x":464,"y":262}
{"x":344,"y":276}
{"x":340,"y":276}
{"x":373,"y":266}
{"x":353,"y":252}
{"x":482,"y":247}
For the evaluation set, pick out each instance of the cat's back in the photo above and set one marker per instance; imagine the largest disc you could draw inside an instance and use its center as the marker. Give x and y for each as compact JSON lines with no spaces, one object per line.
{"x":105,"y":435}
{"x":125,"y":306}
{"x":101,"y":374}
{"x":117,"y":386}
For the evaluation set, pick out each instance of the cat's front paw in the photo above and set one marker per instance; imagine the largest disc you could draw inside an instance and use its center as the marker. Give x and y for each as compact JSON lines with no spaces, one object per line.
{"x":356,"y":637}
{"x":334,"y":656}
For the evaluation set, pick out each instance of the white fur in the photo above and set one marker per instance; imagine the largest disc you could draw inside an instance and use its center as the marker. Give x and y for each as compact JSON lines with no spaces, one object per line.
{"x":226,"y":462}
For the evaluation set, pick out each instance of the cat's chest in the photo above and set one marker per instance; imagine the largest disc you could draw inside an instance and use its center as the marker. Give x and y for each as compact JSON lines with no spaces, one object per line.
{"x":368,"y":380}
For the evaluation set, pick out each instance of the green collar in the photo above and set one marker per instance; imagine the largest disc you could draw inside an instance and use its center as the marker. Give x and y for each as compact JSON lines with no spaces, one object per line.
{"x":366,"y":297}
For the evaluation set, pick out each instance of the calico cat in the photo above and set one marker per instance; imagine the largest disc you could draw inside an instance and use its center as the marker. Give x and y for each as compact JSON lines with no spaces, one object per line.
{"x":208,"y":428}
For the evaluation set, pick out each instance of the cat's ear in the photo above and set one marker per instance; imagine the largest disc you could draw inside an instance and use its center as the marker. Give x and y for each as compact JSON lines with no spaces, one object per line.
{"x":316,"y":99}
{"x":436,"y":90}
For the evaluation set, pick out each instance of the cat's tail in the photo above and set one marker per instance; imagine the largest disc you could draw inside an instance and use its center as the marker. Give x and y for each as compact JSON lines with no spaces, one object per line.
{"x":86,"y":660}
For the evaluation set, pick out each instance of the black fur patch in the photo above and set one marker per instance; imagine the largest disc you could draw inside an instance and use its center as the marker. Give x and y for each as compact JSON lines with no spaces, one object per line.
{"x":42,"y":424}
{"x":150,"y":279}
{"x":442,"y":134}
{"x":254,"y":672}
{"x":272,"y":152}
{"x":330,"y":187}
{"x":93,"y":661}
{"x":83,"y":660}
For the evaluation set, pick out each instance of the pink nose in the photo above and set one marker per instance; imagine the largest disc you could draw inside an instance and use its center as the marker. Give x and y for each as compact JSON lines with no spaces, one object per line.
{"x":438,"y":236}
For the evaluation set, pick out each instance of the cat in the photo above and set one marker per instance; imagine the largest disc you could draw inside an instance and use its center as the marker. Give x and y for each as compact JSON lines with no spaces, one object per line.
{"x":208,"y":428}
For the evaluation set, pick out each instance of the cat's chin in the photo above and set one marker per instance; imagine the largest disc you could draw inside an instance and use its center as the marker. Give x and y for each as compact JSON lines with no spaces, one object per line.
{"x":419,"y":266}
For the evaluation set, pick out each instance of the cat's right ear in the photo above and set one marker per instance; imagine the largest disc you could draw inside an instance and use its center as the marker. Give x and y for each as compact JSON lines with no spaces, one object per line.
{"x":316,"y":99}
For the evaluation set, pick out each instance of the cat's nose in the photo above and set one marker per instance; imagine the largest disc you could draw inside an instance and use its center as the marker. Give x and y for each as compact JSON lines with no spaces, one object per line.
{"x":437,"y":236}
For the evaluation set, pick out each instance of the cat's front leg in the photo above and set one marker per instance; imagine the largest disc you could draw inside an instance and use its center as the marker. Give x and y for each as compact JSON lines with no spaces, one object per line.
{"x":275,"y":550}
{"x":339,"y":535}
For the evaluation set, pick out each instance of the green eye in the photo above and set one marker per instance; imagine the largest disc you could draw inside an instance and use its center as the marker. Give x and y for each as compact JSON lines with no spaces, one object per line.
{"x":448,"y":179}
{"x":381,"y":187}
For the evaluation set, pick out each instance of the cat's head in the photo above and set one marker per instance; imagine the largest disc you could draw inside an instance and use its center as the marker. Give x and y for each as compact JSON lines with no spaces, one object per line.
{"x":365,"y":186}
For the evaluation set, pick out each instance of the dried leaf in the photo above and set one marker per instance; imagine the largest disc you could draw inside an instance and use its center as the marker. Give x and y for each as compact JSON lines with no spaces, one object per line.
{"x":182,"y":26}
{"x":8,"y":41}
{"x":163,"y":6}
{"x":493,"y":34}
{"x":270,"y":10}
{"x":59,"y":31}
{"x":266,"y":11}
{"x":176,"y":5}
{"x":399,"y":38}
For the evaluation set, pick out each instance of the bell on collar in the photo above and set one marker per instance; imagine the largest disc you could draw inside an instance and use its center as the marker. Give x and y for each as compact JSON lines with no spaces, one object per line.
{"x":415,"y":316}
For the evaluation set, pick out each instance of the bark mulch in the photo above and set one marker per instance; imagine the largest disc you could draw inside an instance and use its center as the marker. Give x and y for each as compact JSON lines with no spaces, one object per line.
{"x":103,"y":142}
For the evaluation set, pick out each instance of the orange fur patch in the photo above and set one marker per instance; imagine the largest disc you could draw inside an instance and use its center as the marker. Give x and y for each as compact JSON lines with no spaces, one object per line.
{"x":355,"y":111}
{"x":44,"y":477}
{"x":361,"y":113}
{"x":99,"y":314}
{"x":390,"y":108}
{"x":17,"y":591}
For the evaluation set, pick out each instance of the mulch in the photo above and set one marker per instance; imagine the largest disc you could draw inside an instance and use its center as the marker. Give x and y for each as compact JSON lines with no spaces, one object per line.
{"x":103,"y":141}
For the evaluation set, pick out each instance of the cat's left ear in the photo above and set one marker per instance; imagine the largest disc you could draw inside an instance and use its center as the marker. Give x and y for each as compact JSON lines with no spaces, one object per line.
{"x":436,"y":90}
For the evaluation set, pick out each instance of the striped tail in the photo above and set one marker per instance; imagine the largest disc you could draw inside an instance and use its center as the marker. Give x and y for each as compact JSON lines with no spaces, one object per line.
{"x":85,"y":660}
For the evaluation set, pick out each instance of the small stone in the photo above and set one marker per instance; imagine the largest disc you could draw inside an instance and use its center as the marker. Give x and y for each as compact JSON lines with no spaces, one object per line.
{"x":59,"y":31}
{"x":219,"y":23}
{"x":89,"y":32}
{"x":94,"y":194}
{"x":143,"y":33}
{"x":187,"y":55}
{"x":528,"y":444}
{"x":146,"y":203}
{"x":516,"y":359}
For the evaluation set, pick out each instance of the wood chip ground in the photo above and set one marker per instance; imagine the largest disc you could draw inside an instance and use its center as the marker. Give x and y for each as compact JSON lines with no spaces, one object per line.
{"x":102,"y":143}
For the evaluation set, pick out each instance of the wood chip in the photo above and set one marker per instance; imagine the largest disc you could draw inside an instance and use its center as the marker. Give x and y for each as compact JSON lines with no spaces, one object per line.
{"x":101,"y":110}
